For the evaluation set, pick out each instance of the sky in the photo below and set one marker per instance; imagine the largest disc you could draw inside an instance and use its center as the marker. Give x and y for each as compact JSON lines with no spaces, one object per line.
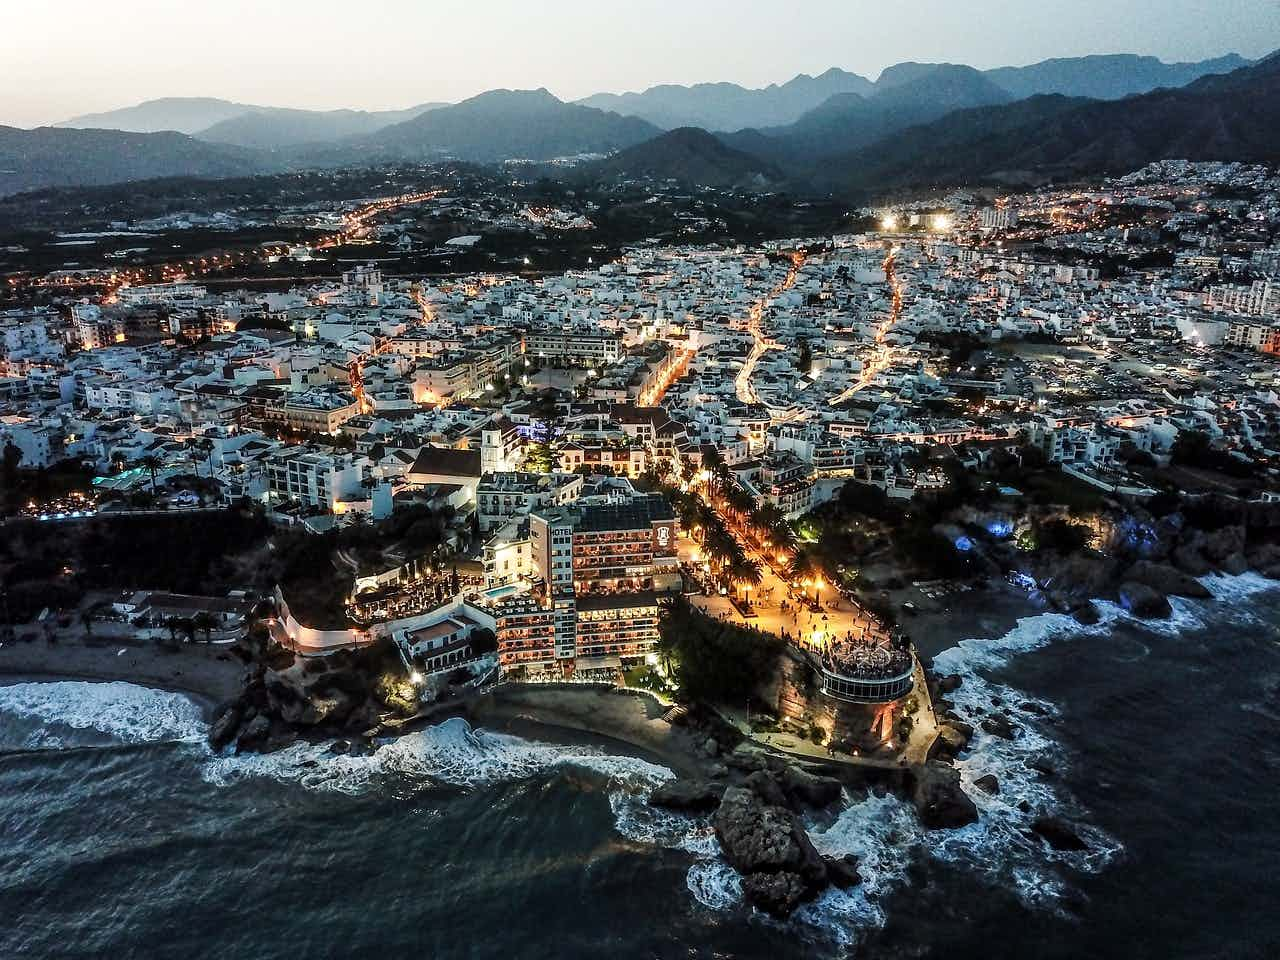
{"x":62,"y":58}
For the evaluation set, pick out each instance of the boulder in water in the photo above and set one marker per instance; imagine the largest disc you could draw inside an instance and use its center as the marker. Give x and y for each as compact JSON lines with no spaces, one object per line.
{"x":693,"y":796}
{"x":1057,"y":834}
{"x":843,"y":871}
{"x":766,"y":844}
{"x":940,"y":802}
{"x":988,"y":784}
{"x":1142,"y":601}
{"x":1001,"y":727}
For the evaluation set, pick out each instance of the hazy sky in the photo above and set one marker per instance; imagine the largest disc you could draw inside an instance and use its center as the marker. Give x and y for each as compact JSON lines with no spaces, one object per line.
{"x":59,"y":58}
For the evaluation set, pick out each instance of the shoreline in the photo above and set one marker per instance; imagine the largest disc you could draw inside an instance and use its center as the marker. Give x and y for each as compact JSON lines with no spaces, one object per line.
{"x":209,"y":675}
{"x":625,"y":721}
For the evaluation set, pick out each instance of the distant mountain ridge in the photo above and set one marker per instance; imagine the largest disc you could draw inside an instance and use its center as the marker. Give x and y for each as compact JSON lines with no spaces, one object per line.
{"x":243,"y":124}
{"x":1230,"y":117}
{"x":505,"y":125}
{"x":727,"y":106}
{"x":187,"y":115}
{"x":1107,"y":76}
{"x":847,"y":122}
{"x":277,"y":127}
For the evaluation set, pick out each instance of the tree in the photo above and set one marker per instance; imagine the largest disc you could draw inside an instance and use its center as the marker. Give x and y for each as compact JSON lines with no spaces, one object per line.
{"x":9,"y":466}
{"x":152,"y":464}
{"x":203,"y":622}
{"x":804,"y":565}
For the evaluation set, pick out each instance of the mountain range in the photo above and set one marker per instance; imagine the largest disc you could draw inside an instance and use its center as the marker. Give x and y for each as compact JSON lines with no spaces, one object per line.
{"x":917,"y":123}
{"x":1233,"y":117}
{"x":245,"y":125}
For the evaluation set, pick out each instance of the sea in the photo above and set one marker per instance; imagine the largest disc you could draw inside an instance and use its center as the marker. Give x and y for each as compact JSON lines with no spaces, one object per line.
{"x":122,"y":835}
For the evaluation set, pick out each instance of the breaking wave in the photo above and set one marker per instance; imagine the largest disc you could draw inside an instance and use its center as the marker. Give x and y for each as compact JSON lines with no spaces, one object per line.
{"x":48,"y":715}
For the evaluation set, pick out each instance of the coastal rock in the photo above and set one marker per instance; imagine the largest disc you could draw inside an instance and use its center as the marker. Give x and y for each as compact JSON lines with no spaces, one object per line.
{"x":951,"y":741}
{"x":766,"y":844}
{"x":254,"y":733}
{"x":1041,"y":766}
{"x":843,"y":871}
{"x":1265,"y":558}
{"x":1001,"y":727}
{"x":1190,"y":560}
{"x":1057,"y":834}
{"x":692,"y":796}
{"x":949,"y":683}
{"x":1166,"y":579}
{"x":940,"y":802}
{"x":778,"y":894}
{"x":223,"y":730}
{"x":1234,"y":564}
{"x":810,"y":789}
{"x":764,"y":786}
{"x":1086,"y":613}
{"x":1219,"y":545}
{"x":988,"y":784}
{"x":1142,"y":601}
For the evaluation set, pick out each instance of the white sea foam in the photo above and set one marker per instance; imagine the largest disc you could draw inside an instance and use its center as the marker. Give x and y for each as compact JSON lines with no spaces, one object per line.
{"x":123,"y":711}
{"x":449,"y":753}
{"x":1227,"y":588}
{"x":715,"y":884}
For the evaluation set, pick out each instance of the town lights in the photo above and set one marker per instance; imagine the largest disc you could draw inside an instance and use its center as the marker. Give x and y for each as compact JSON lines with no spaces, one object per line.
{"x":941,"y":222}
{"x":888,"y":222}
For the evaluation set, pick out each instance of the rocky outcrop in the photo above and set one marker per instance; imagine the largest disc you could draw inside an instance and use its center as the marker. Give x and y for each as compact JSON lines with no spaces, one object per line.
{"x":690,"y":796}
{"x":940,"y":802}
{"x":952,"y":739}
{"x":766,"y":844}
{"x":1001,"y":727}
{"x":1086,"y":613}
{"x":1143,"y":601}
{"x":809,"y":789}
{"x":1057,"y":834}
{"x":286,"y":697}
{"x":1166,"y":579}
{"x":988,"y":784}
{"x":843,"y":871}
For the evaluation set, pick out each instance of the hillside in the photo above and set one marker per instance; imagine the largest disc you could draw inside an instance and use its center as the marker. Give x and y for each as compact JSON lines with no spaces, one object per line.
{"x":52,"y":157}
{"x":275,"y":128}
{"x":503,"y":125}
{"x":914,"y":94}
{"x":688,"y":155}
{"x":728,"y":106}
{"x":1230,"y":117}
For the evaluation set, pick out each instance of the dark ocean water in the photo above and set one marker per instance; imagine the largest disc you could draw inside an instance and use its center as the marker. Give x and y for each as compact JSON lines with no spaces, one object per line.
{"x":120,"y":836}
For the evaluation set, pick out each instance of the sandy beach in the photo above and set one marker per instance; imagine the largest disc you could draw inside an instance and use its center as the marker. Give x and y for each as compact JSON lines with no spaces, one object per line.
{"x":210,"y":674}
{"x":616,"y":721}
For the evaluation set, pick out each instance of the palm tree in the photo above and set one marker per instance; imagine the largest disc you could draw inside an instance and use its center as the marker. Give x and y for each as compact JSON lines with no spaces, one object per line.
{"x":804,"y":565}
{"x":738,"y":500}
{"x":152,"y":464}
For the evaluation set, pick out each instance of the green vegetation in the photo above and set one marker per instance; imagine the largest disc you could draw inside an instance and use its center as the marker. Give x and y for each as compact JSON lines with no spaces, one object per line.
{"x":53,"y":564}
{"x":715,"y":661}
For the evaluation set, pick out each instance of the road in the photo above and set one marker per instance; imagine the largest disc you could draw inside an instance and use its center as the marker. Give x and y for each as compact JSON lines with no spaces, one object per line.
{"x":745,"y":388}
